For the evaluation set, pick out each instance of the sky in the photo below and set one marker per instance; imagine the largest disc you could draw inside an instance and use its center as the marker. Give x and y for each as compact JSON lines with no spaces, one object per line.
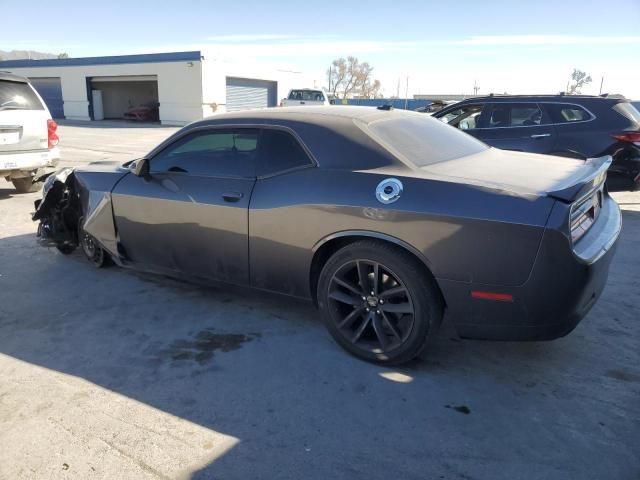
{"x":428,"y":47}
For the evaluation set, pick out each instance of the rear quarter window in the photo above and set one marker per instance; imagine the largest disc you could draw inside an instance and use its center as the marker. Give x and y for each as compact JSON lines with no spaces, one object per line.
{"x":629,"y":111}
{"x":566,"y":113}
{"x":18,"y":96}
{"x":421,"y":140}
{"x":280,"y":151}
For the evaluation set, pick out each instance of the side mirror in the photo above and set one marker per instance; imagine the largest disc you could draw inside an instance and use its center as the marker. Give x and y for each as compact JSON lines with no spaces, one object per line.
{"x":140,"y":168}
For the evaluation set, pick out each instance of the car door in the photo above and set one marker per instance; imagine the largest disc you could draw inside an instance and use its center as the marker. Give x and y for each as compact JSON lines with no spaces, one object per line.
{"x":522,"y":127}
{"x":190,"y":215}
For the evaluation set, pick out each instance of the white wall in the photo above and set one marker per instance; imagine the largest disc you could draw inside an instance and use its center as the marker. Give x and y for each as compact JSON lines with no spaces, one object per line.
{"x":215,"y":73}
{"x":179,"y":87}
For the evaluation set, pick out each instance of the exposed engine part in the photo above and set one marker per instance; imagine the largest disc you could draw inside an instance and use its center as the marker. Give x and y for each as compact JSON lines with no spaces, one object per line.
{"x":58,"y":211}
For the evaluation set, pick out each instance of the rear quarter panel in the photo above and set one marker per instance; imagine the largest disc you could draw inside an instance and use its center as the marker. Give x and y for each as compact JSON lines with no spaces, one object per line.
{"x":464,"y":233}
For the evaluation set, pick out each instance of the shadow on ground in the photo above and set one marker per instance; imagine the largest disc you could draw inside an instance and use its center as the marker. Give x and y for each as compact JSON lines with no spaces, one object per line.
{"x":262,"y":369}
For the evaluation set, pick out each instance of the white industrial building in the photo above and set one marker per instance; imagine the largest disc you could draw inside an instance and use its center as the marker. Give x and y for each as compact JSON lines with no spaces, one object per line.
{"x":186,"y":86}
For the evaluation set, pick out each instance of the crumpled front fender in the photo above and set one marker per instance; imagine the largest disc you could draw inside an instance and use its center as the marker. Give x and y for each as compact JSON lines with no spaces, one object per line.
{"x":94,"y":189}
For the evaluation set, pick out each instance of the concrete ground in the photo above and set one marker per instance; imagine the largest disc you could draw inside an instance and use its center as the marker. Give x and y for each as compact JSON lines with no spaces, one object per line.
{"x":112,"y":374}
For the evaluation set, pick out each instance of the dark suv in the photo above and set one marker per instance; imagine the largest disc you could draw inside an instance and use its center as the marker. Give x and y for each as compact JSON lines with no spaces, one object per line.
{"x":576,"y":126}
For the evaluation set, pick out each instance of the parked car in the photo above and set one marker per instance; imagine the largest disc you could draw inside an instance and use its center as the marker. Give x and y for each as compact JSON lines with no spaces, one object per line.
{"x":149,"y":112}
{"x":305,"y":96}
{"x":387,"y":219}
{"x":28,"y":135}
{"x":577,"y":126}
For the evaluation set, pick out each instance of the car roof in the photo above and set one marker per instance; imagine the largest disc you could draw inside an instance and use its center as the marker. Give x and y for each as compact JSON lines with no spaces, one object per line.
{"x":313,"y":115}
{"x":10,"y":77}
{"x":330,"y":132}
{"x":555,"y":98}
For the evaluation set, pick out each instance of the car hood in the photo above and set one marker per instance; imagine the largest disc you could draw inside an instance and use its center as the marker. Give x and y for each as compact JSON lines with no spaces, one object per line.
{"x":106,"y":166}
{"x":527,"y":173}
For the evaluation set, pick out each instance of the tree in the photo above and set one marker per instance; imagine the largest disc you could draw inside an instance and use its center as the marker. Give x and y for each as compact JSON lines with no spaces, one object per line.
{"x":348,"y":77}
{"x":580,"y":79}
{"x":63,"y":55}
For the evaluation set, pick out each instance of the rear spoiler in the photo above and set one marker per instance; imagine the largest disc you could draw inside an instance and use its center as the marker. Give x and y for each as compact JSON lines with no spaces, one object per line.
{"x":589,"y":177}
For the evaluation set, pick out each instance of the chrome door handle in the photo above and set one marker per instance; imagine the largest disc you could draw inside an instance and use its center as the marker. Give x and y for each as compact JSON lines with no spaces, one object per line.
{"x":541,"y":135}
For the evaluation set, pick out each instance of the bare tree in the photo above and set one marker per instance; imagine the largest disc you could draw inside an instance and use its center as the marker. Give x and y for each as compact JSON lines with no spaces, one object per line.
{"x":580,"y":79}
{"x":348,"y":78}
{"x":63,"y":55}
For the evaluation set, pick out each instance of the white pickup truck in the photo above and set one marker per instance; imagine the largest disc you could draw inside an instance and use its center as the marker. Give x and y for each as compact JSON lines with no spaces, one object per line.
{"x":28,"y":136}
{"x":305,"y":97}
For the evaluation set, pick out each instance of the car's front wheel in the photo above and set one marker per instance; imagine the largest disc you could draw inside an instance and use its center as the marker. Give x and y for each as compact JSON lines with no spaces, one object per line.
{"x":378,"y":302}
{"x":91,"y":248}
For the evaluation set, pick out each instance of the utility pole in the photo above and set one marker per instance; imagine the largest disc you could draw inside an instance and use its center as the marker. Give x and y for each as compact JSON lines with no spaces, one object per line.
{"x":475,"y":88}
{"x":406,"y":95}
{"x":398,"y":90}
{"x":330,"y":72}
{"x":601,"y":82}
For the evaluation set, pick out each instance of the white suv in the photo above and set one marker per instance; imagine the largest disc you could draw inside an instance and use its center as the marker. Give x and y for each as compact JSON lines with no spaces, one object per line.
{"x":28,"y":136}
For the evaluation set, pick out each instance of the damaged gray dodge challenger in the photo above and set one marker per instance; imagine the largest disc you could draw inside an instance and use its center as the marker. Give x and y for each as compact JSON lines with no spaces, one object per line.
{"x":388,"y":220}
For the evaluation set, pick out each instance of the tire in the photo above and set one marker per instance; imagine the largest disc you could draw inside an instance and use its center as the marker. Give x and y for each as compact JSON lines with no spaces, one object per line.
{"x":392,"y":321}
{"x":92,"y":249}
{"x":25,"y":185}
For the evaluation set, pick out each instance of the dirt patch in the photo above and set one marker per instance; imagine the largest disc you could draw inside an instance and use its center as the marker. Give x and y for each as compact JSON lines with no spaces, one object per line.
{"x":459,"y":408}
{"x":205,"y":343}
{"x":623,"y":375}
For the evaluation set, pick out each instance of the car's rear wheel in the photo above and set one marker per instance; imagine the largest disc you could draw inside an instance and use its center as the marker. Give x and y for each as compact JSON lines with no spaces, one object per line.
{"x":26,"y":185}
{"x":378,"y":302}
{"x":91,"y":248}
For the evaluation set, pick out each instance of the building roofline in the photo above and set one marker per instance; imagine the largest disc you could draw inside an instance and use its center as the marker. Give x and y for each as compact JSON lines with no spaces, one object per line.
{"x":10,"y":77}
{"x":109,"y":60}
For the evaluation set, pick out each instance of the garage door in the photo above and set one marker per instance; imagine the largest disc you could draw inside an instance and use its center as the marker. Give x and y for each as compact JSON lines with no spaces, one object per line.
{"x":128,"y":96}
{"x":247,"y":93}
{"x":50,"y":89}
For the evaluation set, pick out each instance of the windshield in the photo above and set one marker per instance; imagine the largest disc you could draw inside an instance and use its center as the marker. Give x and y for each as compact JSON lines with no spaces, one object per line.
{"x":308,"y":95}
{"x":18,"y":96}
{"x":421,"y":140}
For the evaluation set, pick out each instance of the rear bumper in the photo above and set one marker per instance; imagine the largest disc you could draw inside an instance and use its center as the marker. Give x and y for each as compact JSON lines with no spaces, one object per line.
{"x":563,"y":287}
{"x":28,"y":161}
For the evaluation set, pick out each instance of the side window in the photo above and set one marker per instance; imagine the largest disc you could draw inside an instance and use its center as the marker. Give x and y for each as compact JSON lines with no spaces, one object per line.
{"x":515,"y":115}
{"x":464,"y":118}
{"x":220,"y":152}
{"x":280,"y":151}
{"x":564,"y":113}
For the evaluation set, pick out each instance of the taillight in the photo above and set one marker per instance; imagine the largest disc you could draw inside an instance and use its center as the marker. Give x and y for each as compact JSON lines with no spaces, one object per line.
{"x":633,"y":137}
{"x":584,"y":213}
{"x":52,"y":136}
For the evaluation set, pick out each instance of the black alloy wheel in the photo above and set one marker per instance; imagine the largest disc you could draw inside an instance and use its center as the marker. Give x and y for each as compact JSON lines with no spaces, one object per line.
{"x":371,"y":306}
{"x":378,"y":302}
